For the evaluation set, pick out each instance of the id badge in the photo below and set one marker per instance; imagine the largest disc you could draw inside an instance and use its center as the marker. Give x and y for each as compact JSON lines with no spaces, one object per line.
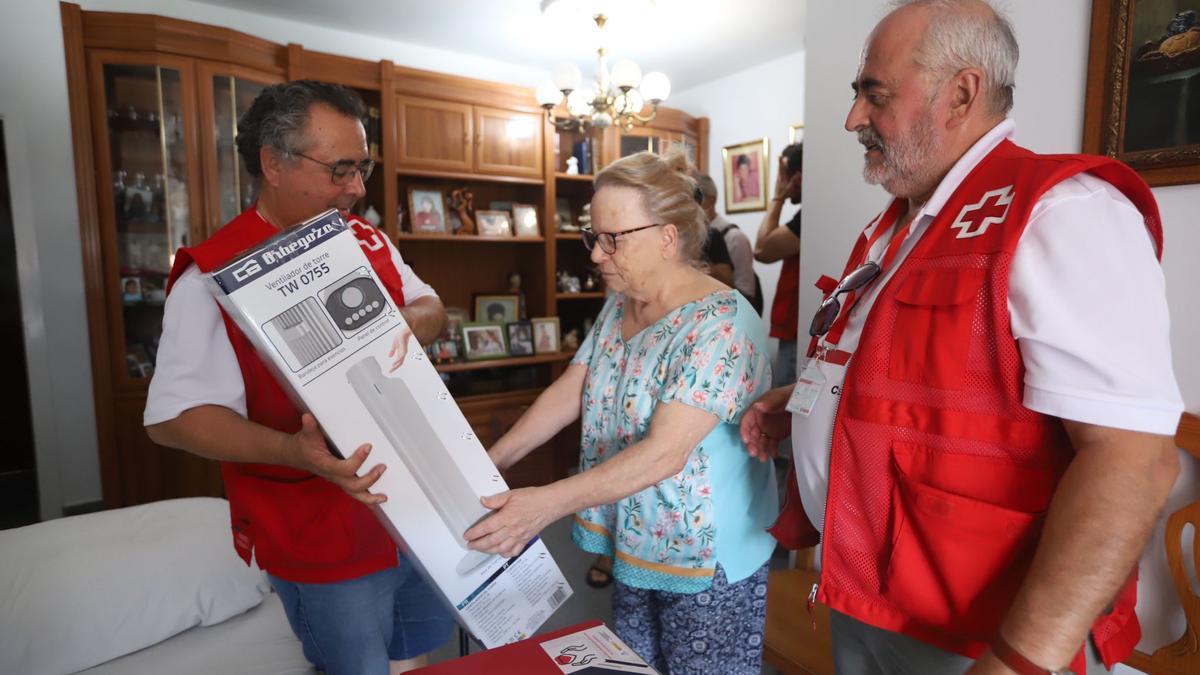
{"x":808,"y":389}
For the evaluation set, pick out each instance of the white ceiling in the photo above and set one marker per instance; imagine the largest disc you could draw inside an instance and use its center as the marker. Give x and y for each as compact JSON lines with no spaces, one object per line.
{"x":692,"y":41}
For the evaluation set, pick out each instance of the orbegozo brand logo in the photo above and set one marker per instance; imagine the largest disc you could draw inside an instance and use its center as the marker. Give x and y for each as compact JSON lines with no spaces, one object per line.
{"x":279,"y":250}
{"x":273,"y":256}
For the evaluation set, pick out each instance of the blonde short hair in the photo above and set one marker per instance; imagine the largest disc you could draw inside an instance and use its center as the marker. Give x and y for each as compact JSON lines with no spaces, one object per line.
{"x":668,"y":193}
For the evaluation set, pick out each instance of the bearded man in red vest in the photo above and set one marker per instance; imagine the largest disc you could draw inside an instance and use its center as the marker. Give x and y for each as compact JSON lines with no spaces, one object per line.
{"x":302,"y":512}
{"x":982,"y":431}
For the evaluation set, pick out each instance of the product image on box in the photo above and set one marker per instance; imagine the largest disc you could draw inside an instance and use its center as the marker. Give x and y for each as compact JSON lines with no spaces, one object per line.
{"x":302,"y":334}
{"x":354,"y":301}
{"x":423,"y":453}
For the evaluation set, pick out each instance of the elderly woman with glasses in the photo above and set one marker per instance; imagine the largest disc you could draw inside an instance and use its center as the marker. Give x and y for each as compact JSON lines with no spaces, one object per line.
{"x":659,"y":384}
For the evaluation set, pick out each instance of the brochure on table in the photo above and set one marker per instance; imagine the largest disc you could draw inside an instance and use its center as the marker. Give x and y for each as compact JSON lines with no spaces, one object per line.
{"x":321,"y":319}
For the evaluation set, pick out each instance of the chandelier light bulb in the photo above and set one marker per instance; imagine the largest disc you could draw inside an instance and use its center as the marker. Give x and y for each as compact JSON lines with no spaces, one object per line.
{"x":626,"y":74}
{"x":548,"y":94}
{"x":579,"y":102}
{"x":630,"y":102}
{"x":567,"y":77}
{"x":655,"y":87}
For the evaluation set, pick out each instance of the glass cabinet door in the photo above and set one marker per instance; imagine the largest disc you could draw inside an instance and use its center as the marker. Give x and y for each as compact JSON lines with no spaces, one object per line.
{"x":225,"y":96}
{"x":147,"y":210}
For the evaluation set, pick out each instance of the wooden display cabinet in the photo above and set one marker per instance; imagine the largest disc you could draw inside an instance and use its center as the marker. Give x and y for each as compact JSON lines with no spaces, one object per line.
{"x":437,"y":135}
{"x":156,"y":96}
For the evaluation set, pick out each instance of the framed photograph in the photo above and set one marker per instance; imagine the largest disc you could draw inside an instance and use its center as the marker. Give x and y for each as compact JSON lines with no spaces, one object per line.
{"x":520,"y":338}
{"x":1143,"y":62}
{"x":131,"y":290}
{"x":795,"y":133}
{"x":746,"y":173}
{"x":546,"y":335}
{"x":484,"y":341}
{"x":443,"y":351}
{"x":494,"y":223}
{"x":497,"y":308}
{"x":427,"y":206}
{"x":525,"y":220}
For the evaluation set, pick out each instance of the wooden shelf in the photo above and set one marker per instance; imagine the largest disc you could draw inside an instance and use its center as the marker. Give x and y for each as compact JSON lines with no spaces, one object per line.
{"x":581,"y":177}
{"x":512,"y":362}
{"x":586,"y":295}
{"x":467,"y":176}
{"x":569,"y":236}
{"x":469,"y":238}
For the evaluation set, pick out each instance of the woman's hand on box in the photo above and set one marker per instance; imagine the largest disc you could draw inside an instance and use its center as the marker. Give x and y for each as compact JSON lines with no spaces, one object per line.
{"x":518,"y":516}
{"x":306,"y":449}
{"x":399,"y":349}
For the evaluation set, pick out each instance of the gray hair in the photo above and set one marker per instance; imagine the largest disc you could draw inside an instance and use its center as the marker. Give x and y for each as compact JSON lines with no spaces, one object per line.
{"x":708,"y":186}
{"x":970,"y":34}
{"x":277,"y":117}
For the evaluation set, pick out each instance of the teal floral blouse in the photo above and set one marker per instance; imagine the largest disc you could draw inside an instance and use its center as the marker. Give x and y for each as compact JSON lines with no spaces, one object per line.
{"x":710,"y":354}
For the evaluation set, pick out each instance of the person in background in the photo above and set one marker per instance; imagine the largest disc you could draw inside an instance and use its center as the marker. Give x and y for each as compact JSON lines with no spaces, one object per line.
{"x":983,"y":431}
{"x":659,"y":385}
{"x":302,"y":513}
{"x":741,"y":251}
{"x":773,"y":244}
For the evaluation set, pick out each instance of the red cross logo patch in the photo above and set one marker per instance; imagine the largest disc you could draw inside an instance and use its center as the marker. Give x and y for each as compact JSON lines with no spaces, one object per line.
{"x":368,"y":238}
{"x":991,"y":209}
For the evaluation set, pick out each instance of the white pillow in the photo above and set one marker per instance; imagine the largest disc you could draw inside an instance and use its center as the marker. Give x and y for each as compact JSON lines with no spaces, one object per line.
{"x":76,"y":592}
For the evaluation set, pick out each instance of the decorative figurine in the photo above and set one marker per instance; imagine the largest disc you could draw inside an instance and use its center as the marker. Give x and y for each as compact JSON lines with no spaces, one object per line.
{"x":514,"y":288}
{"x":573,"y":166}
{"x":372,"y":216}
{"x":462,"y":201}
{"x":585,"y":218}
{"x":571,"y":340}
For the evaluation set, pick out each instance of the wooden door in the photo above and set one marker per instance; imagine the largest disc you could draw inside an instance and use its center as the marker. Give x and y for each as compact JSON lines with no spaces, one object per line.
{"x":508,"y":143}
{"x":433,"y":135}
{"x":224,"y":93}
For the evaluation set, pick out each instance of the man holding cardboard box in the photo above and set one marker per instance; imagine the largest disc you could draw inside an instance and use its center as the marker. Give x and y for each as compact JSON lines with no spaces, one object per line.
{"x":297,"y":508}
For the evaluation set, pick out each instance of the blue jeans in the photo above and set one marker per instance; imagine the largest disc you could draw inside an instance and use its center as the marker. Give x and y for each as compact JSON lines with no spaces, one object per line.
{"x":785,"y":364}
{"x":357,"y":626}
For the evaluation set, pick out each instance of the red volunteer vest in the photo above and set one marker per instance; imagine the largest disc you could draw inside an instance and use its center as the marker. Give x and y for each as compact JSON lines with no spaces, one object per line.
{"x":785,"y":308}
{"x":940,"y":477}
{"x":300,"y":527}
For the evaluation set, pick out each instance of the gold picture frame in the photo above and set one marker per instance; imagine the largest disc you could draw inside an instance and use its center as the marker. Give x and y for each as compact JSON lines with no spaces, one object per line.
{"x":795,"y":133}
{"x":746,"y":170}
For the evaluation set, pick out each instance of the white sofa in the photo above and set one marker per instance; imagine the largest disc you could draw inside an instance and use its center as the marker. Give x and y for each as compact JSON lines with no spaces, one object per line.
{"x":154,"y":588}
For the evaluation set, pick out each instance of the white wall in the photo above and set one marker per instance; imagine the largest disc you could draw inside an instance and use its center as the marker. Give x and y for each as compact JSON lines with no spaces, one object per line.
{"x":760,"y":101}
{"x":1049,"y":113}
{"x":33,"y":104}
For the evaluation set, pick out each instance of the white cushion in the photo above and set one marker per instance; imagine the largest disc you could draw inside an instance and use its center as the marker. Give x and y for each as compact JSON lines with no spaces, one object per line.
{"x":79,"y":591}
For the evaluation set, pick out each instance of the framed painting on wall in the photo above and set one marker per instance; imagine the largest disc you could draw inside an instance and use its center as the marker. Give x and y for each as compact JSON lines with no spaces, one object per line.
{"x":1143,"y":92}
{"x":746,"y":173}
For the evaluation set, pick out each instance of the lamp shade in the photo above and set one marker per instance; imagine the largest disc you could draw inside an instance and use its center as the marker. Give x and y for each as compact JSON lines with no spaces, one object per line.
{"x":579,"y":103}
{"x":630,"y":102}
{"x":626,"y":74}
{"x":567,"y":77}
{"x":655,"y":87}
{"x":548,"y":94}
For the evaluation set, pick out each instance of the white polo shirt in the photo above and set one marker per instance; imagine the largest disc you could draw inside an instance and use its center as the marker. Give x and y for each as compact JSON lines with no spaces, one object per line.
{"x":196,"y":364}
{"x":1087,"y":305}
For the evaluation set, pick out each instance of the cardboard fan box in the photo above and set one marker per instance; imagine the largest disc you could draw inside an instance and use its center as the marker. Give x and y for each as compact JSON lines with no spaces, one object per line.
{"x":322,"y":320}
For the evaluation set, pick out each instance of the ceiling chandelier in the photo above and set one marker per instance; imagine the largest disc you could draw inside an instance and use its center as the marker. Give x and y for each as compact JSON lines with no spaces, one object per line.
{"x":615,"y":97}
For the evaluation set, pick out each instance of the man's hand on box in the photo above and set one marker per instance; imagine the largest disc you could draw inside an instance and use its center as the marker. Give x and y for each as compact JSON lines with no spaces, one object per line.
{"x":399,"y":349}
{"x":766,"y":422}
{"x":519,"y":515}
{"x":307,"y":450}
